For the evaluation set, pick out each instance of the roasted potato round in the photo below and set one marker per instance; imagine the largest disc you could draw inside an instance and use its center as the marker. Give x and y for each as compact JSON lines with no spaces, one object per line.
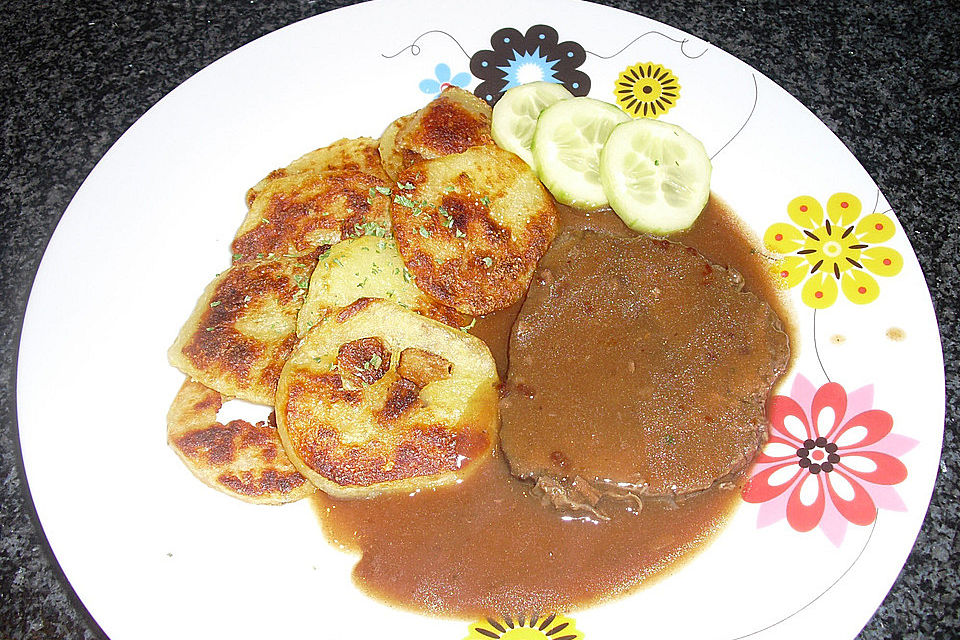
{"x":243,"y":328}
{"x":346,"y":154}
{"x":296,"y":214}
{"x":377,"y":399}
{"x":367,"y":267}
{"x":451,"y":123}
{"x":241,"y":459}
{"x":472,"y":226}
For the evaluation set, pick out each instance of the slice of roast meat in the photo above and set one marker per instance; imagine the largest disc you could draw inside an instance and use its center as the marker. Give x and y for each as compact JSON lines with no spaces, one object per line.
{"x":637,"y":369}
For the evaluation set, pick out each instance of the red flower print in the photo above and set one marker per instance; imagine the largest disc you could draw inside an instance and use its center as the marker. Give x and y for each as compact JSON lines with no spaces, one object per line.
{"x":831,"y":459}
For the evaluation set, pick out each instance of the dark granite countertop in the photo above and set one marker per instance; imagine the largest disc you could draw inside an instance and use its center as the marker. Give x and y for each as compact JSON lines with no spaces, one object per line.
{"x":884,"y":76}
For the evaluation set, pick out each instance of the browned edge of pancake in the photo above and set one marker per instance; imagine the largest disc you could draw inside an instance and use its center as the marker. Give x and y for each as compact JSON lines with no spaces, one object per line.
{"x":240,"y":459}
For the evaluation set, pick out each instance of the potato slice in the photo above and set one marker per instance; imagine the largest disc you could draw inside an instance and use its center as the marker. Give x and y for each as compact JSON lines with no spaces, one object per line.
{"x":472,"y":226}
{"x":296,"y":214}
{"x":243,"y":328}
{"x":355,"y":427}
{"x":451,"y":123}
{"x":241,"y":459}
{"x":346,"y":154}
{"x":367,"y":267}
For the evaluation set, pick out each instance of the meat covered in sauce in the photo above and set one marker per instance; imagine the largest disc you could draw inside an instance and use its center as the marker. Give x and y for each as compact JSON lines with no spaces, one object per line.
{"x":637,"y":368}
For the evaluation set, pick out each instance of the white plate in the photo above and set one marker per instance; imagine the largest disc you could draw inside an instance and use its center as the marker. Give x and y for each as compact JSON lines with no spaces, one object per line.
{"x":154,"y":554}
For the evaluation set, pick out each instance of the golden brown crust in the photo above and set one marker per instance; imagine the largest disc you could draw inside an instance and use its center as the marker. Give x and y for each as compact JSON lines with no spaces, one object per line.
{"x":297,"y":214}
{"x":243,"y":328}
{"x":363,"y":361}
{"x":453,"y":122}
{"x":240,"y":459}
{"x":346,"y":154}
{"x":356,"y":428}
{"x":472,"y":227}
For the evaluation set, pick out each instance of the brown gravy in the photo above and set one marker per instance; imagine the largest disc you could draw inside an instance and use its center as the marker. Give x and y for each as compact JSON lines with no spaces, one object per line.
{"x":489,"y":546}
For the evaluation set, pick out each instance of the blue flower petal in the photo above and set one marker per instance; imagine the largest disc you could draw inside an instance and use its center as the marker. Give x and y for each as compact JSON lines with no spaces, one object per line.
{"x":443,"y":73}
{"x":430,"y":86}
{"x":462,"y":79}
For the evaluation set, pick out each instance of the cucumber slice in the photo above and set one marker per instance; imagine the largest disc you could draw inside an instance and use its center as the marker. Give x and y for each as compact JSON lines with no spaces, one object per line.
{"x":516,"y":112}
{"x":566,"y":148}
{"x":656,"y":176}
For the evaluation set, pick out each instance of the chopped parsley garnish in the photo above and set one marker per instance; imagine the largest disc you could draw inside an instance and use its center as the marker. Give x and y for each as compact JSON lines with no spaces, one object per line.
{"x":487,"y":261}
{"x":469,"y":326}
{"x":384,"y":190}
{"x":424,"y":232}
{"x":215,"y":303}
{"x":404,"y":201}
{"x":372,"y":228}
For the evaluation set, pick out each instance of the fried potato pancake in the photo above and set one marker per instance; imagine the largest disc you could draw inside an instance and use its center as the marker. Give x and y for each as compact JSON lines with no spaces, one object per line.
{"x":244,"y":327}
{"x":452,"y":123}
{"x":346,"y":154}
{"x":367,"y":267}
{"x":378,"y":399}
{"x":240,"y":459}
{"x":296,"y":214}
{"x":472,"y":226}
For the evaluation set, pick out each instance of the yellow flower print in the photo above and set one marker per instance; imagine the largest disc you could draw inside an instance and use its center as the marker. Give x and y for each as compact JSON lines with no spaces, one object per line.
{"x":550,"y":627}
{"x":646,"y":89}
{"x":833,"y":253}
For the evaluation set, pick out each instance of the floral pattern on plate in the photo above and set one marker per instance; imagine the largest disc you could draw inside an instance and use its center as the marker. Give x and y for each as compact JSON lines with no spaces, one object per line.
{"x":537,"y":55}
{"x":550,"y":627}
{"x":646,"y":90}
{"x":834,"y":252}
{"x":443,"y":79}
{"x":831,"y":459}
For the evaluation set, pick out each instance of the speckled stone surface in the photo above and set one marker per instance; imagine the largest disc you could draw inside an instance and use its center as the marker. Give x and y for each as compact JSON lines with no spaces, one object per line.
{"x":884,"y":76}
